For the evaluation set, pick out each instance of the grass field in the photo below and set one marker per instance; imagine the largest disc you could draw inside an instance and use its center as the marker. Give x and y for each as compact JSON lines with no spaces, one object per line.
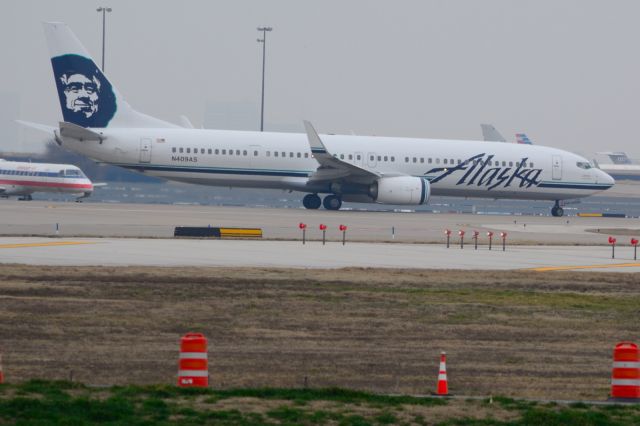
{"x":51,"y":403}
{"x":517,"y":334}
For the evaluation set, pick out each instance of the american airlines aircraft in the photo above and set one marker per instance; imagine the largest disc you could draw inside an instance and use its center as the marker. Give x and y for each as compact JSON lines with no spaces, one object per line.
{"x":23,"y":179}
{"x":100,"y":124}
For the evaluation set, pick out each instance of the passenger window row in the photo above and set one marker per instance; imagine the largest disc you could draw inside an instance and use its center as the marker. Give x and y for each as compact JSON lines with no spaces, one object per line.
{"x":237,"y":152}
{"x":18,"y":173}
{"x":358,"y":157}
{"x":452,"y":161}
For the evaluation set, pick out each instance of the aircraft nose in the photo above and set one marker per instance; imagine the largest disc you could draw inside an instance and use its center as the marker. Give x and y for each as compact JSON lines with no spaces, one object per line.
{"x":605,"y":178}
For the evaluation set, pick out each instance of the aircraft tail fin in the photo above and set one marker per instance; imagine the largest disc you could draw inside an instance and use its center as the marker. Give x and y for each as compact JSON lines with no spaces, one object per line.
{"x":523,"y":139}
{"x":491,"y":134}
{"x":87,"y":97}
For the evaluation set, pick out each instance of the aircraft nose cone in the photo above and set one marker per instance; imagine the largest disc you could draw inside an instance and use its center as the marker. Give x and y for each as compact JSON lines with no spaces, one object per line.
{"x":605,"y":178}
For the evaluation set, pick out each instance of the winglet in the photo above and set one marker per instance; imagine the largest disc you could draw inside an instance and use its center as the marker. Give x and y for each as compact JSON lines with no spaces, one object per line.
{"x":317,"y":147}
{"x":185,"y":122}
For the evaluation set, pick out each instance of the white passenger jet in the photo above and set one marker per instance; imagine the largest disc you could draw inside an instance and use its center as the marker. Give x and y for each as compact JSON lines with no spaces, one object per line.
{"x":23,"y":179}
{"x":99,"y":124}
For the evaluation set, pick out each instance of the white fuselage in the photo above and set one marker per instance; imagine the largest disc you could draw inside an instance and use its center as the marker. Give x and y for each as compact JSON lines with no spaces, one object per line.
{"x":22,"y":178}
{"x":284,"y":160}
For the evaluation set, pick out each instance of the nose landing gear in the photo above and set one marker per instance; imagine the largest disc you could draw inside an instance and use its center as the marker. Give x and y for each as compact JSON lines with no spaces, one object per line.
{"x":556,"y":210}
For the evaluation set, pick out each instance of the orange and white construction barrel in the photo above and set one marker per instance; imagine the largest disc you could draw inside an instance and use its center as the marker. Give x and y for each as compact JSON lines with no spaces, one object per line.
{"x":625,"y":376}
{"x":193,"y":368}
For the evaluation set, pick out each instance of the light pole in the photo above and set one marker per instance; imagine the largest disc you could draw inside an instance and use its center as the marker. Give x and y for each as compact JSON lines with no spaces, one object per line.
{"x":104,"y":11}
{"x":263,"y":40}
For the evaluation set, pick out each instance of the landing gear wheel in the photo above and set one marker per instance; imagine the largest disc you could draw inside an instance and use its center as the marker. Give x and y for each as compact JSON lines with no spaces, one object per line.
{"x":332,"y":202}
{"x":311,"y":201}
{"x":556,"y":210}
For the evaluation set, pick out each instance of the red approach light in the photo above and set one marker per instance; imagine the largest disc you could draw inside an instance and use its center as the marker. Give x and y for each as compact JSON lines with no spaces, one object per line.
{"x":447,"y":231}
{"x":612,"y":240}
{"x":475,"y":234}
{"x":489,"y":234}
{"x":461,"y":233}
{"x":302,"y":225}
{"x":634,"y":242}
{"x":323,"y":226}
{"x":503,"y":234}
{"x":343,"y":228}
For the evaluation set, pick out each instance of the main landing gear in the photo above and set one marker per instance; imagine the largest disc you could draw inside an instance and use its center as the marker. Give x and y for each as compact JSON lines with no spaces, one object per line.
{"x":556,"y":210}
{"x":331,"y":202}
{"x":311,"y":201}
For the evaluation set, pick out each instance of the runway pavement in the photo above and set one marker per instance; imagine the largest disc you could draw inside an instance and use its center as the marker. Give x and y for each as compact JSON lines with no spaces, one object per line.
{"x":142,"y":234}
{"x":235,"y":253}
{"x":152,"y":220}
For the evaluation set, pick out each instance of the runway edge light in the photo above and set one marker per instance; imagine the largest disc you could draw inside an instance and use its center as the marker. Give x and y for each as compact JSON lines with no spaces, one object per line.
{"x":612,"y":241}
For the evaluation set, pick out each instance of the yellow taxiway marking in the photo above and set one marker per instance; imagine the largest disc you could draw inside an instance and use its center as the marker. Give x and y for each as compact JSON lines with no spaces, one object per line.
{"x":55,"y":243}
{"x":569,"y":268}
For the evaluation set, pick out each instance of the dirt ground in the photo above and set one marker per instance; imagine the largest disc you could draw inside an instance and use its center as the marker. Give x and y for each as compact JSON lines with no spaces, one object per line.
{"x":520,"y":334}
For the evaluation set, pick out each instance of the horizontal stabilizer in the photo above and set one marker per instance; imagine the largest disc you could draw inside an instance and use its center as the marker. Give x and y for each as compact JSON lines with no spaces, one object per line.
{"x":42,"y":127}
{"x":70,"y":130}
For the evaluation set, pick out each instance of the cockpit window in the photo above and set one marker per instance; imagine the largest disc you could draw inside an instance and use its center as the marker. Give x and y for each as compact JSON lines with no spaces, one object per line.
{"x":583,"y":165}
{"x":73,"y":173}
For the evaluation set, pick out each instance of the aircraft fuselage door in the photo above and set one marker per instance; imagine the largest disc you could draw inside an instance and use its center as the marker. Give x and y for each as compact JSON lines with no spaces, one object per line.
{"x":556,"y":167}
{"x":371,"y":159}
{"x":145,"y":150}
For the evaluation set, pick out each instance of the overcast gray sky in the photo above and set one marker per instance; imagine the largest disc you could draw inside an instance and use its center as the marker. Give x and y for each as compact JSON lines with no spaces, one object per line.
{"x":566,"y":72}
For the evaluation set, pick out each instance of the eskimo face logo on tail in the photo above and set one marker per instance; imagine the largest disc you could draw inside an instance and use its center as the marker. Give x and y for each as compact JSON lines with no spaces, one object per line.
{"x":86,"y":96}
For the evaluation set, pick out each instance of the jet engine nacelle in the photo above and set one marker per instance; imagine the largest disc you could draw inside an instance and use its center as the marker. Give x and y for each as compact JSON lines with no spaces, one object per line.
{"x":401,"y":190}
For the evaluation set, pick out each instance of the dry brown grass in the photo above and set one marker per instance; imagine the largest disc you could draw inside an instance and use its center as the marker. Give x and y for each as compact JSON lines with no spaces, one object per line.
{"x":513,"y":333}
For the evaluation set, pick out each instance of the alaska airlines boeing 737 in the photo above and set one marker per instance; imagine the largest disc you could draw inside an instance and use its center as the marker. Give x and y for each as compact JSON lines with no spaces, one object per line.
{"x":99,"y":124}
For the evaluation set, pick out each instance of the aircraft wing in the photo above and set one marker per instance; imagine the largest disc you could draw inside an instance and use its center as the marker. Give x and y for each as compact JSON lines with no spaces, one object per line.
{"x":332,"y":168}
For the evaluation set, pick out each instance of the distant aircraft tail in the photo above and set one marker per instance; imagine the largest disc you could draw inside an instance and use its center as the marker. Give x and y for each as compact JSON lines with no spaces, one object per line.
{"x":87,"y":97}
{"x":619,"y":157}
{"x":523,"y":139}
{"x":491,"y":134}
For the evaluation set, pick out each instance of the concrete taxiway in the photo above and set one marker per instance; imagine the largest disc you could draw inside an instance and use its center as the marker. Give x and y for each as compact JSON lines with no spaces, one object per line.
{"x":235,"y":253}
{"x":142,"y":234}
{"x":158,"y":221}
